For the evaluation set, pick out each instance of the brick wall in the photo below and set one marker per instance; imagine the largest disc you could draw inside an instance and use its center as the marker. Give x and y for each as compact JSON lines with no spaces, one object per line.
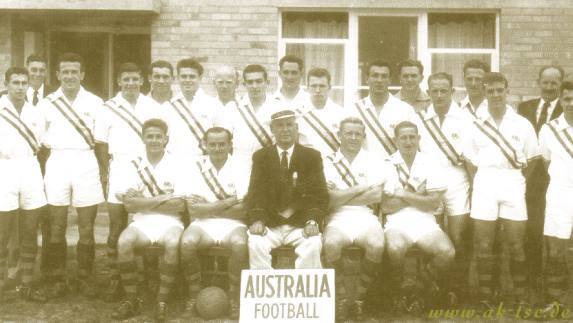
{"x":5,"y":45}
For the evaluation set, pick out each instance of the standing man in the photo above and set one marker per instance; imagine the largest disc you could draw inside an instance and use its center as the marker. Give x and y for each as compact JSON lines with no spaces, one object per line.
{"x":355,"y":181}
{"x":160,"y":79}
{"x":556,"y":141}
{"x":72,"y":172}
{"x":153,"y":194}
{"x":21,"y":188}
{"x":320,"y":115}
{"x":411,"y":75}
{"x":291,"y":72}
{"x":381,"y":112}
{"x":444,"y":137}
{"x":189,"y":113}
{"x":226,"y":83}
{"x":539,"y":111}
{"x":503,"y":149}
{"x":474,"y":72}
{"x":287,"y":197}
{"x":217,"y":186}
{"x":119,"y":137}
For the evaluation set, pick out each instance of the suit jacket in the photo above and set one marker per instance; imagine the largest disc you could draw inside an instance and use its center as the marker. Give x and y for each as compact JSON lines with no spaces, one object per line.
{"x":309,"y":195}
{"x":528,"y":109}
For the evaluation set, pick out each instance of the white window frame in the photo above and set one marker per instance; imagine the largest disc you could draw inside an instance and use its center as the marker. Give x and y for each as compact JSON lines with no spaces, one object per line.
{"x":424,"y":53}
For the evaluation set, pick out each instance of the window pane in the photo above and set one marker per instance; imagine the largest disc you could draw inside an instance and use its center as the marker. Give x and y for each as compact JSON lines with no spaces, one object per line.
{"x":315,"y":25}
{"x":326,"y":56}
{"x":461,"y":30}
{"x":388,"y":38}
{"x":454,"y":64}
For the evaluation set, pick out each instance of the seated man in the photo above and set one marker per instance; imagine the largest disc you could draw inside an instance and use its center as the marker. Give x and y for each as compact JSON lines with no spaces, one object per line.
{"x":216,"y":188}
{"x":410,"y":199}
{"x":153,"y":182}
{"x":287,"y":197}
{"x":354,"y":178}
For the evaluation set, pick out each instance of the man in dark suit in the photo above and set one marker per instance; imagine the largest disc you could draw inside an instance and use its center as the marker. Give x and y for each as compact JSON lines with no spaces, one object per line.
{"x":287,"y":197}
{"x":539,"y":111}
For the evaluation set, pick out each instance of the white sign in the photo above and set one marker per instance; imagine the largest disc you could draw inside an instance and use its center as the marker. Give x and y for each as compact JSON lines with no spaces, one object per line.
{"x":291,"y":295}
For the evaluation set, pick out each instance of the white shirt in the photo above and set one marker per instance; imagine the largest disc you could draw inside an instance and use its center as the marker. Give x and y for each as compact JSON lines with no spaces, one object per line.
{"x":60,"y":133}
{"x":30,"y":94}
{"x":169,"y":174}
{"x":182,"y":141}
{"x":468,"y":108}
{"x":550,"y":109}
{"x":393,"y":112}
{"x":288,"y":151}
{"x":298,"y":101}
{"x":561,"y":163}
{"x":517,"y":130}
{"x":330,"y":116}
{"x":12,"y":143}
{"x":113,"y":130}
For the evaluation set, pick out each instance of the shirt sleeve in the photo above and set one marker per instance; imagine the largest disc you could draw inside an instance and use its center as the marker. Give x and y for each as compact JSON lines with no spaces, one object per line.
{"x":531,"y":145}
{"x":544,"y":142}
{"x":102,"y":124}
{"x":435,"y":179}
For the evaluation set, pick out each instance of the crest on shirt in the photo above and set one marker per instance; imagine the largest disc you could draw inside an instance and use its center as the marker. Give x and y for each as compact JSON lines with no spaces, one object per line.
{"x":168,"y":187}
{"x":515,"y":138}
{"x":455,"y":136}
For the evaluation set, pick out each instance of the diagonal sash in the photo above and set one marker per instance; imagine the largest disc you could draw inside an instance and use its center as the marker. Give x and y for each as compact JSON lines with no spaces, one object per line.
{"x":404,"y":177}
{"x":75,"y":120}
{"x":22,"y":129}
{"x":343,"y":171}
{"x":183,"y":110}
{"x":441,"y":140}
{"x":256,"y":128}
{"x":468,"y":107}
{"x":376,"y":128}
{"x":127,"y":116}
{"x":321,"y":129}
{"x":213,"y":183}
{"x":499,"y":140}
{"x":563,"y":137}
{"x":147,"y":178}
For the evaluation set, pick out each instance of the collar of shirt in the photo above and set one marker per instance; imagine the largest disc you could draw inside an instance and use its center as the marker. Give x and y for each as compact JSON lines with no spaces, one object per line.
{"x":369,"y":105}
{"x":338,"y":156}
{"x":550,"y":110}
{"x":465,"y":101}
{"x":30,"y":93}
{"x":206,"y":164}
{"x":289,"y":153}
{"x":5,"y":103}
{"x":300,"y":96}
{"x":60,"y":94}
{"x":453,"y":112}
{"x":122,"y":101}
{"x":509,"y":114}
{"x":146,"y":163}
{"x":420,"y":97}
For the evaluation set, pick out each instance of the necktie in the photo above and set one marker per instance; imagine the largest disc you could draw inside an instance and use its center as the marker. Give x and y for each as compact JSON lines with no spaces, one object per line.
{"x":285,"y":187}
{"x":542,"y":116}
{"x":35,"y":98}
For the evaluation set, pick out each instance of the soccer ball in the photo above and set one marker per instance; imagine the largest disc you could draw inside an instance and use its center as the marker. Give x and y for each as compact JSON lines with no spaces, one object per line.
{"x":212,"y":302}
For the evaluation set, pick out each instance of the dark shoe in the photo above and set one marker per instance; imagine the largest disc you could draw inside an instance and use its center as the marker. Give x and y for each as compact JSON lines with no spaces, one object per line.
{"x":234,"y":309}
{"x":341,"y":309}
{"x":114,"y":291}
{"x":127,"y":309}
{"x":31,"y":294}
{"x":161,"y":312}
{"x":190,"y":309}
{"x":359,"y":310}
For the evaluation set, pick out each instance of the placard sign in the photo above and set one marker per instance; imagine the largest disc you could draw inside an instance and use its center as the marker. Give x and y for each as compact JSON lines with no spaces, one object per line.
{"x":291,"y":295}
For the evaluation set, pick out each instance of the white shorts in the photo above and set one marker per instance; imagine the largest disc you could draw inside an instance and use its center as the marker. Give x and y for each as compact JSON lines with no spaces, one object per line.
{"x":118,"y":179}
{"x":217,"y":229}
{"x":457,"y":196}
{"x":412,"y":223}
{"x":155,"y":226}
{"x":73,"y":175}
{"x":21,"y":184}
{"x":559,"y":212}
{"x":499,"y":193}
{"x":355,"y":224}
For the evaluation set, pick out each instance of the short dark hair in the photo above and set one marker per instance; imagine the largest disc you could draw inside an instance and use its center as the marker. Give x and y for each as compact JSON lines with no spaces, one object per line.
{"x":493,"y":77}
{"x":155,"y":123}
{"x":409,"y":63}
{"x":318,"y":72}
{"x":160,"y":64}
{"x":255,"y":68}
{"x":35,"y":58}
{"x":441,"y":76}
{"x":71,"y":57}
{"x":557,"y":67}
{"x":476,"y":63}
{"x":190,"y":63}
{"x":218,"y":130}
{"x":567,"y":85}
{"x":16,"y":70}
{"x":128,"y":67}
{"x":402,"y":125}
{"x":351,"y":120}
{"x":379,"y":63}
{"x":292,"y":59}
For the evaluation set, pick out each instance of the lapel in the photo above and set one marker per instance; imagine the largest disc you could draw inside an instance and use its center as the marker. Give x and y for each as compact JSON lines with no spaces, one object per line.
{"x":294,"y":159}
{"x":557,"y":111}
{"x":274,"y":163}
{"x":532,"y":111}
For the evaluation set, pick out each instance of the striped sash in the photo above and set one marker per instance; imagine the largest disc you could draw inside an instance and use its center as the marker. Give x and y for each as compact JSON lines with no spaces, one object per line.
{"x":441,"y":140}
{"x":213,"y":183}
{"x":321,"y":129}
{"x":183,"y":110}
{"x":404,"y":176}
{"x":147,"y":178}
{"x":127,"y":116}
{"x":66,"y":110}
{"x":563,"y":137}
{"x":22,"y":129}
{"x":468,"y":107}
{"x":256,"y":128}
{"x":374,"y":125}
{"x":344,"y":171}
{"x":499,"y":140}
